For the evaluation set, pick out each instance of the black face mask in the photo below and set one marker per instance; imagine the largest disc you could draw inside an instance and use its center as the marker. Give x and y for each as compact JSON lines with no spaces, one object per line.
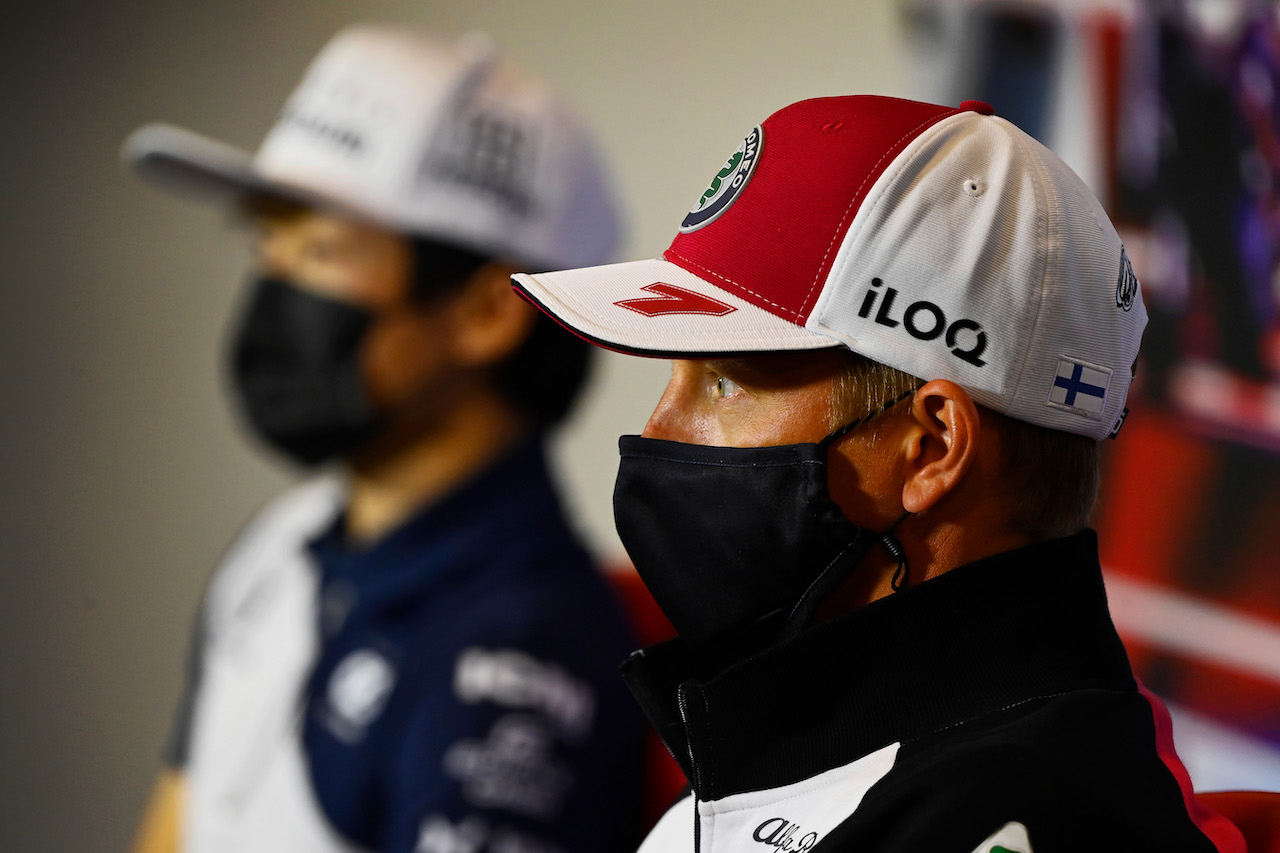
{"x":729,"y":538}
{"x":295,"y":363}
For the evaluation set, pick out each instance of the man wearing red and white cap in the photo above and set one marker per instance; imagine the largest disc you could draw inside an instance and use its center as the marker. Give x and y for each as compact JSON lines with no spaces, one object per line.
{"x":410,"y":650}
{"x":900,"y":331}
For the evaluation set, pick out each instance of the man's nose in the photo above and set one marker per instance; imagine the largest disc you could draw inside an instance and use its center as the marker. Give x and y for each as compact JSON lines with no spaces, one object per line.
{"x":658,"y":425}
{"x":662,"y":423}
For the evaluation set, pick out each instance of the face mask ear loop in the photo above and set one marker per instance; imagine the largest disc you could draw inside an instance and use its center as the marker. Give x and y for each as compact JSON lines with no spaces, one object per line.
{"x":837,"y":570}
{"x":830,"y":577}
{"x":891,"y":544}
{"x":874,"y":413}
{"x":887,"y":539}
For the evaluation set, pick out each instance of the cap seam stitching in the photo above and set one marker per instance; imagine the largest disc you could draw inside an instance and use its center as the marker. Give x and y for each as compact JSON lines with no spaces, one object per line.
{"x":796,"y":314}
{"x":727,"y":280}
{"x":915,"y":131}
{"x":1042,"y":181}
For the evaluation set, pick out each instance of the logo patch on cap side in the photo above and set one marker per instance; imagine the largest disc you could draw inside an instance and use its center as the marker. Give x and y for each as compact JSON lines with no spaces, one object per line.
{"x":674,"y":300}
{"x":1080,"y":387}
{"x":727,"y":183}
{"x":1127,"y":286}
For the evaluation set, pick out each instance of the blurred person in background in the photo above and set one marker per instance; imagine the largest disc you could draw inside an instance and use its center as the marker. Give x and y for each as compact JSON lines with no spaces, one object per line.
{"x":410,"y":650}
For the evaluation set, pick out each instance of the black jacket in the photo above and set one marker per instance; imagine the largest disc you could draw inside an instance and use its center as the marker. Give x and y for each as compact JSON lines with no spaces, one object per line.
{"x":990,"y":708}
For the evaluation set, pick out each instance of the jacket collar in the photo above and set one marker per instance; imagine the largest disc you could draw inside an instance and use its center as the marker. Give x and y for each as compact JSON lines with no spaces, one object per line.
{"x":1027,"y":623}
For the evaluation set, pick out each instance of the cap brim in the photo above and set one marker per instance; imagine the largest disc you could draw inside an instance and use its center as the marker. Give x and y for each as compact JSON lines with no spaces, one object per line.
{"x":188,"y":163}
{"x":182,"y":161}
{"x":656,"y":308}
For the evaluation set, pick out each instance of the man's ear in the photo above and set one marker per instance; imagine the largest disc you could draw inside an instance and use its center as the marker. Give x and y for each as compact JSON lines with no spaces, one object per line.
{"x":490,"y":320}
{"x":943,"y":446}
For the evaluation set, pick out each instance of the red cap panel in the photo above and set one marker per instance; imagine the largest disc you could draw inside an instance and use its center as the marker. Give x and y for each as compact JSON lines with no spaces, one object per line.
{"x":816,"y":163}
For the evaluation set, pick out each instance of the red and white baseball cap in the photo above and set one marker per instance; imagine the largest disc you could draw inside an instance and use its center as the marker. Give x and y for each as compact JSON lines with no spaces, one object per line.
{"x":428,"y":139}
{"x":942,"y":242}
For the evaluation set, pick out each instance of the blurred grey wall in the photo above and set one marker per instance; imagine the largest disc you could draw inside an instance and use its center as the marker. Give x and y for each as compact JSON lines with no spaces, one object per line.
{"x":123,"y":474}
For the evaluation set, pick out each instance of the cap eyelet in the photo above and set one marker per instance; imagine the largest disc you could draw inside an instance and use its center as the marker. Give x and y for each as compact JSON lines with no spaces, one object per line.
{"x":975,"y":187}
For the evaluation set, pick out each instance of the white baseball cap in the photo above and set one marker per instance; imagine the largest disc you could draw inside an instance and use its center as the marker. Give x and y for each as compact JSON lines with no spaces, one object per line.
{"x":422,"y":138}
{"x":942,"y":242}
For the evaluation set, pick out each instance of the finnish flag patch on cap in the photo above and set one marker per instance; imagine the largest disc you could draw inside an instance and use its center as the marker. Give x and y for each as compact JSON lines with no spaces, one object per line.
{"x":1080,"y":387}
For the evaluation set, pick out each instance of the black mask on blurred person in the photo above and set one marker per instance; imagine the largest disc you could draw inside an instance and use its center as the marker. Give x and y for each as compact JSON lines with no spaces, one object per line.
{"x":295,"y":365}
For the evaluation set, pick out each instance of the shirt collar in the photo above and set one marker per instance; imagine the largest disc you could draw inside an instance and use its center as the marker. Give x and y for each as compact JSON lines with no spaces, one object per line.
{"x":513,"y":490}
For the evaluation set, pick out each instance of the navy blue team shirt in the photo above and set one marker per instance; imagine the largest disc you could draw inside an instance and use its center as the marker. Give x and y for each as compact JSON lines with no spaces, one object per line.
{"x":467,"y":694}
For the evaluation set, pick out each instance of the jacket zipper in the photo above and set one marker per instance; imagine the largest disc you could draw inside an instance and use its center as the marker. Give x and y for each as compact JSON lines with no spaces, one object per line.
{"x":683,"y":700}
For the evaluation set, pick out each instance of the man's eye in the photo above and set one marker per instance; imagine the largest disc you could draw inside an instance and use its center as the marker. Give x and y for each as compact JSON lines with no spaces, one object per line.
{"x":726,"y":387}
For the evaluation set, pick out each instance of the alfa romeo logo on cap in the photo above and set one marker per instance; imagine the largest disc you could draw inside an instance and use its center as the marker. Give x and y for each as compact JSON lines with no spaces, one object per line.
{"x":727,"y":183}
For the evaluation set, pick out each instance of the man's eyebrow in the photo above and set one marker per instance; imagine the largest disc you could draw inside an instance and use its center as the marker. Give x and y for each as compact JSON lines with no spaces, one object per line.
{"x":727,"y":366}
{"x":751,"y":372}
{"x":772,"y":370}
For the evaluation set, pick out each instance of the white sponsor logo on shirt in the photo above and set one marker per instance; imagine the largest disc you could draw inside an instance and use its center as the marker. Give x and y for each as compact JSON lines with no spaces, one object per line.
{"x":514,"y":679}
{"x":358,"y":691}
{"x":513,"y":768}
